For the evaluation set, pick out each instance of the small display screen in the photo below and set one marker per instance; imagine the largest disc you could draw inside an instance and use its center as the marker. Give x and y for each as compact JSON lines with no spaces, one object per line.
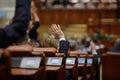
{"x":81,"y":60}
{"x":89,"y":60}
{"x":55,"y":61}
{"x":69,"y":61}
{"x":30,"y":62}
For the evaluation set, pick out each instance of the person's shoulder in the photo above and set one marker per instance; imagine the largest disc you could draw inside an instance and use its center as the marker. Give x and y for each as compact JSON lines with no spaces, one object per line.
{"x":64,"y":42}
{"x":114,"y":49}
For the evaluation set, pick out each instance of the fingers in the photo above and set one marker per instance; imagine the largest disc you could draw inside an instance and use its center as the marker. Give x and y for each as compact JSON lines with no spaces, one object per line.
{"x":59,"y":27}
{"x":55,"y":28}
{"x":51,"y":31}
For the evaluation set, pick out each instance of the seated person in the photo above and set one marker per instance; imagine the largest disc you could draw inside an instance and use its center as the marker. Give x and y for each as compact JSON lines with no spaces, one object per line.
{"x":116,"y":47}
{"x":17,"y":29}
{"x":63,"y":44}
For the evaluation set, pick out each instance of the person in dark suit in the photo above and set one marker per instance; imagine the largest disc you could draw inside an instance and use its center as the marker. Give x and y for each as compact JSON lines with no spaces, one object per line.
{"x":17,"y":29}
{"x":115,"y":48}
{"x":63,"y":43}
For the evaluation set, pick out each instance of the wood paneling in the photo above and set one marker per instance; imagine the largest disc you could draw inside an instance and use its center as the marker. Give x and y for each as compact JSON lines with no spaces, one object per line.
{"x":93,"y":18}
{"x":67,"y":16}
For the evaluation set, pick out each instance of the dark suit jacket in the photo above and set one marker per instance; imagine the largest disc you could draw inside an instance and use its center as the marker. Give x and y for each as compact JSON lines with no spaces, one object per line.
{"x":114,"y":49}
{"x":17,"y":29}
{"x":33,"y":34}
{"x":64,"y":47}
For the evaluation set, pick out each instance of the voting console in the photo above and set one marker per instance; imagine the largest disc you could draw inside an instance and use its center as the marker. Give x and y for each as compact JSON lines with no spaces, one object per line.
{"x":71,"y":66}
{"x":55,"y":68}
{"x":27,"y":68}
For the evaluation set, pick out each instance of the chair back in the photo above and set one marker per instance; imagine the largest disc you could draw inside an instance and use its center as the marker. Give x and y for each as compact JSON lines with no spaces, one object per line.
{"x":110,"y":66}
{"x":5,"y":62}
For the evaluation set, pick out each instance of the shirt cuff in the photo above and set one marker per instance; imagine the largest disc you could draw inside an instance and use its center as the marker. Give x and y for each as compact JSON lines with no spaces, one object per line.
{"x":62,"y":38}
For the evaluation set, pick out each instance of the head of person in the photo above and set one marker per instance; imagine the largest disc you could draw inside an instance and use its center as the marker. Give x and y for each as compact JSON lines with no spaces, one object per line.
{"x":117,"y":43}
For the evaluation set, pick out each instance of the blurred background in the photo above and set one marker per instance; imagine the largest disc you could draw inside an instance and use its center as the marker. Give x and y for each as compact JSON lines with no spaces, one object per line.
{"x":98,"y":19}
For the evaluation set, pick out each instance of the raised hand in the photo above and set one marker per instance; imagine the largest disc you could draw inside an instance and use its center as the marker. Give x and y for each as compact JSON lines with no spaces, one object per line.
{"x":56,"y":31}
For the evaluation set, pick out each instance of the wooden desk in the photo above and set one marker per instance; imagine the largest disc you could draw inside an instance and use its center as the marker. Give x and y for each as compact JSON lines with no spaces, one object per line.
{"x":72,"y":67}
{"x":111,"y":66}
{"x":46,"y":51}
{"x":55,"y":73}
{"x":28,"y":74}
{"x":74,"y":71}
{"x":51,"y":68}
{"x":82,"y":70}
{"x":5,"y":65}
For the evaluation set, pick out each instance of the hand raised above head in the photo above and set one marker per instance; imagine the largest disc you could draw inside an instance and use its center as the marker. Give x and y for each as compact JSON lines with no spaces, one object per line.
{"x":56,"y":31}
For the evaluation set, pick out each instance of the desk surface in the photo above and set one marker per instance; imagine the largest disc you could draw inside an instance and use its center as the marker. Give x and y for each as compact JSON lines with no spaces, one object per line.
{"x":69,"y":66}
{"x":52,"y":68}
{"x":81,"y":65}
{"x":26,"y":72}
{"x":45,"y":50}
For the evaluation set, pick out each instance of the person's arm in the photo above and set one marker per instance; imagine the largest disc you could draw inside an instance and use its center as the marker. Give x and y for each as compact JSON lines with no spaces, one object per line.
{"x":35,"y":15}
{"x":21,"y":19}
{"x":63,"y":44}
{"x":33,"y":34}
{"x":36,"y":18}
{"x":17,"y":29}
{"x":34,"y":12}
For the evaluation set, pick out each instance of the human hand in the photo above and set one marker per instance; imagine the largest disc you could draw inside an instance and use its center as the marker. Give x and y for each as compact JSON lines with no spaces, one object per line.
{"x":56,"y":31}
{"x":33,"y":7}
{"x":92,"y":45}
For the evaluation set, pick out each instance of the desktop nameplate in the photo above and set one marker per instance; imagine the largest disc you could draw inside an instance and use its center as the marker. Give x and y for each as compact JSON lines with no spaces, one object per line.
{"x":26,"y":62}
{"x":70,"y":61}
{"x":54,"y":61}
{"x":81,"y":60}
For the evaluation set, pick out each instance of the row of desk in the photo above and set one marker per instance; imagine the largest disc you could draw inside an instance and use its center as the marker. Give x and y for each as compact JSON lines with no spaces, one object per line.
{"x":52,"y":65}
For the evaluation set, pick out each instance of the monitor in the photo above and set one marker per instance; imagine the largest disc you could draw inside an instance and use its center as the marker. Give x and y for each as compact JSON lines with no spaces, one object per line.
{"x":30,"y":62}
{"x":54,"y":61}
{"x":89,"y":60}
{"x":81,"y":60}
{"x":70,"y":60}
